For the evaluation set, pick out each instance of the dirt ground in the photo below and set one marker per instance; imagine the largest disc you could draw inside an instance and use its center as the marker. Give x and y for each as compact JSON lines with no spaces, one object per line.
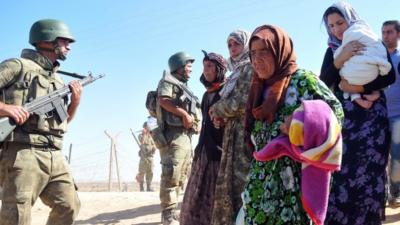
{"x":129,"y":207}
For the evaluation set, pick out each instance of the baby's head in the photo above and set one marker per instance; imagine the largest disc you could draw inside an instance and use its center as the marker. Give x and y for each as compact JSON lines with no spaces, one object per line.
{"x":311,"y":124}
{"x":285,"y":126}
{"x":293,"y":126}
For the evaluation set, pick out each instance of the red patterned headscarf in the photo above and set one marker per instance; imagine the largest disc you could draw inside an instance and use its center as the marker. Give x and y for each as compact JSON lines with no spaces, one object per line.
{"x":222,"y":67}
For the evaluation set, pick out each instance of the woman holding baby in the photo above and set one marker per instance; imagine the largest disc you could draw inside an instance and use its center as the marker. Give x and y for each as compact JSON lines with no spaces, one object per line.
{"x":358,"y":190}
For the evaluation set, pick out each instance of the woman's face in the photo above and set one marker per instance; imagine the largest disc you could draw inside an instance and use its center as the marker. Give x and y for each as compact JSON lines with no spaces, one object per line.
{"x":337,"y":25}
{"x":262,"y":59}
{"x":209,"y":70}
{"x":234,"y":48}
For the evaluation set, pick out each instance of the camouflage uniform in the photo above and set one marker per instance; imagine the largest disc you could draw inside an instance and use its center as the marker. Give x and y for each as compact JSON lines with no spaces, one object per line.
{"x":146,"y":153}
{"x":32,"y":164}
{"x":235,"y":159}
{"x":186,"y":172}
{"x":176,"y":156}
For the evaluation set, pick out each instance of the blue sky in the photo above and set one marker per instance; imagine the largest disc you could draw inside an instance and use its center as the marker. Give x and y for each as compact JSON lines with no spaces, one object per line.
{"x":130,"y":42}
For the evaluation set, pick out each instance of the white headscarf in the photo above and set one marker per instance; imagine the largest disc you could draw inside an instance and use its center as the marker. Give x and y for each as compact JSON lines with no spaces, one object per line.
{"x":241,"y":37}
{"x":349,"y":14}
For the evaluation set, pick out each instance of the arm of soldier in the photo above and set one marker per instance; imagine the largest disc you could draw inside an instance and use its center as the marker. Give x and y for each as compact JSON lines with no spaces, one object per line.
{"x":235,"y":104}
{"x":16,"y":112}
{"x":76,"y":89}
{"x":167,"y":104}
{"x":165,"y":93}
{"x":9,"y":71}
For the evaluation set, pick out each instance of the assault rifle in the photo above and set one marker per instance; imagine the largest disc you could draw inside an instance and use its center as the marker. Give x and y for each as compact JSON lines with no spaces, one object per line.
{"x":191,"y":102}
{"x":187,"y":97}
{"x":136,"y":139}
{"x":52,"y":102}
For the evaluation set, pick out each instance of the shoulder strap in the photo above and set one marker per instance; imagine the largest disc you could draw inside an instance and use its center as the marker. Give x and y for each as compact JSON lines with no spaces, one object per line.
{"x":21,"y":77}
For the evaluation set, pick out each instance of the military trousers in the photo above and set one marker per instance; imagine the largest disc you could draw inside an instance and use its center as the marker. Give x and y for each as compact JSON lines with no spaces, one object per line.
{"x":174,"y":161}
{"x":28,"y":172}
{"x":145,"y":169}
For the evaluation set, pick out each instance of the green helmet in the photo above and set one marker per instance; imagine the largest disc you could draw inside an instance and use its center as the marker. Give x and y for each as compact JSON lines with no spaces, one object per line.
{"x":49,"y":30}
{"x":179,"y":60}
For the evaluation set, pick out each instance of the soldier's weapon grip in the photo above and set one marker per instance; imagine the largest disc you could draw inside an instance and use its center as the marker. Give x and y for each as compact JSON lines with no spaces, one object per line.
{"x":43,"y":105}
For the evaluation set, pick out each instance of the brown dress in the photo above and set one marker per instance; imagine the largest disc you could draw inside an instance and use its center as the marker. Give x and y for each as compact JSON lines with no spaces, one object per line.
{"x":198,"y":201}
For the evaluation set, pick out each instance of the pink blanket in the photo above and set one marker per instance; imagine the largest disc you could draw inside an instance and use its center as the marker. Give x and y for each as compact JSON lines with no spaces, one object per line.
{"x":314,"y":140}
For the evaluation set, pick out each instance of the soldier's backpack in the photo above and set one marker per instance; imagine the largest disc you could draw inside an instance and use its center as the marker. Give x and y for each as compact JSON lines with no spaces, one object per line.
{"x":154,"y":122}
{"x":151,"y":103}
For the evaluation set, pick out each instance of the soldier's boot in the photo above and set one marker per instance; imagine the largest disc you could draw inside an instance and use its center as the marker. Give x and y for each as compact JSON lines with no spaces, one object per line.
{"x":141,"y":186}
{"x":149,"y":188}
{"x":169,"y":217}
{"x":140,"y":182}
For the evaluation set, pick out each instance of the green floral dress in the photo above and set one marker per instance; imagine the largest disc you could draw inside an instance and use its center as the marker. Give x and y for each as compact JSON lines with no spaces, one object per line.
{"x":272,"y":194}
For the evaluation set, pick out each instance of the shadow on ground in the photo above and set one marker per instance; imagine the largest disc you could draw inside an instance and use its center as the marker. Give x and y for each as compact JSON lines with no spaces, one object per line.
{"x":392,"y":218}
{"x":116,"y":217}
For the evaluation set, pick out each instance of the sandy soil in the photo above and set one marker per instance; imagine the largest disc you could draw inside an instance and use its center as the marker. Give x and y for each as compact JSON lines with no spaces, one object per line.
{"x":111,"y":208}
{"x":128,"y":208}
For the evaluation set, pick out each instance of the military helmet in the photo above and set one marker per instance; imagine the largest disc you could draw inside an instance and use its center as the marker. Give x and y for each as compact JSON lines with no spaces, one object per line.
{"x":49,"y":30}
{"x":145,"y":125}
{"x":179,"y":60}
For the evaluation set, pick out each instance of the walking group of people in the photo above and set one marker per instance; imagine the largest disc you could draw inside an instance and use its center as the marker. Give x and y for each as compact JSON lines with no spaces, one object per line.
{"x":277,"y":144}
{"x":280,"y":145}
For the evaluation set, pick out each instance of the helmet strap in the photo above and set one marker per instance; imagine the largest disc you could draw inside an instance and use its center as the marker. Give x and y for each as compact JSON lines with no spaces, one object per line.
{"x":59,"y":53}
{"x":56,"y":49}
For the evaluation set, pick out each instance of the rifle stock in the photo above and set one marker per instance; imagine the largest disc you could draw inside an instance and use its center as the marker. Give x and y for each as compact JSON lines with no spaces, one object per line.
{"x":45,"y":104}
{"x":136,"y":139}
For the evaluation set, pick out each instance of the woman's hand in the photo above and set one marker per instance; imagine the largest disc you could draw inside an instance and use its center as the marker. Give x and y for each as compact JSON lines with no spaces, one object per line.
{"x":218,"y":122}
{"x":349,"y":50}
{"x":349,"y":88}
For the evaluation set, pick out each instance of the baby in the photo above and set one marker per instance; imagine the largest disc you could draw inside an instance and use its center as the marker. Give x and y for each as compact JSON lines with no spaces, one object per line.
{"x":362,"y":69}
{"x":311,"y":136}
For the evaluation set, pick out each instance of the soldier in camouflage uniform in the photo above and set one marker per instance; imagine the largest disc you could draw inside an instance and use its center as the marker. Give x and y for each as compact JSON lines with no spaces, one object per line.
{"x":32,"y":164}
{"x":146,"y":153}
{"x":177,"y":123}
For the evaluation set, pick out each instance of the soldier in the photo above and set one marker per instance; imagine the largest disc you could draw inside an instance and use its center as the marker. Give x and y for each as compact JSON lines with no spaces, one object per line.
{"x":146,"y":153}
{"x":32,"y":164}
{"x":177,"y":123}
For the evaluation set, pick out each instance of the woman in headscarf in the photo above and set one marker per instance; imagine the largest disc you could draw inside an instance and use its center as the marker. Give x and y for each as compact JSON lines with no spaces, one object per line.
{"x":273,"y":194}
{"x":228,"y":112}
{"x":198,"y":201}
{"x":358,"y":190}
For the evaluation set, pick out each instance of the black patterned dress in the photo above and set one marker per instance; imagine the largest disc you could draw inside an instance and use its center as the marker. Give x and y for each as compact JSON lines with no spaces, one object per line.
{"x":358,"y":191}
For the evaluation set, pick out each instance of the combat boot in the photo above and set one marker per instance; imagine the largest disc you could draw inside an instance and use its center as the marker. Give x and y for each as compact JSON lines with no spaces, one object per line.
{"x":141,"y":186}
{"x":169,"y":217}
{"x":149,"y":188}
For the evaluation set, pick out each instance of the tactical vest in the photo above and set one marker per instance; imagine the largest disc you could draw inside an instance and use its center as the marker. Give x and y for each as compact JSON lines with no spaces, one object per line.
{"x":32,"y":82}
{"x":173,"y":120}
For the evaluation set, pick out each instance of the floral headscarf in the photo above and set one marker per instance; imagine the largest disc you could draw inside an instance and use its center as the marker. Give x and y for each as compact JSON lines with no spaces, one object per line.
{"x":222,"y":67}
{"x":241,"y":37}
{"x":236,"y":64}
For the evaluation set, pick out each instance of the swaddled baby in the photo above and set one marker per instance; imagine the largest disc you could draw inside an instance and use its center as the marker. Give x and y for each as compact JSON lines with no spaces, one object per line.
{"x":362,"y":69}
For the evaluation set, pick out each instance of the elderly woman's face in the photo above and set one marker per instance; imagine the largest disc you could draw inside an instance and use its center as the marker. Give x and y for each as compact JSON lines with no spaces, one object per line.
{"x":209,"y":70}
{"x":262,"y":59}
{"x":337,"y":25}
{"x":234,"y":48}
